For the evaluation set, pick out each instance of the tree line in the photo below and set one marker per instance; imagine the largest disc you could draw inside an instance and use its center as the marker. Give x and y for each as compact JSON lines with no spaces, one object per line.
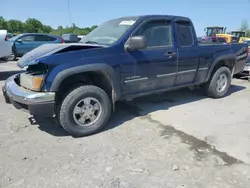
{"x":245,"y":27}
{"x":33,"y":25}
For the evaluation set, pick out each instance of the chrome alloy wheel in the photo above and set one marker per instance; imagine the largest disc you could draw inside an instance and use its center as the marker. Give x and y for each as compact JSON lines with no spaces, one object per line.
{"x":87,"y":111}
{"x":222,"y":83}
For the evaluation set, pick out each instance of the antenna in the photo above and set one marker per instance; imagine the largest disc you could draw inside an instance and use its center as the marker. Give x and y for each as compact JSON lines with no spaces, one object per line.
{"x":69,"y":12}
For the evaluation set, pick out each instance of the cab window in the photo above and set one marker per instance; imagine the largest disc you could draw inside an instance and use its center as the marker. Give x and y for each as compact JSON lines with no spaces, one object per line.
{"x":157,"y":33}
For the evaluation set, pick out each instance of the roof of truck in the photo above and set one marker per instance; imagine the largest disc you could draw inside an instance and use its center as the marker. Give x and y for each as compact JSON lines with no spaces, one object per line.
{"x":152,"y":16}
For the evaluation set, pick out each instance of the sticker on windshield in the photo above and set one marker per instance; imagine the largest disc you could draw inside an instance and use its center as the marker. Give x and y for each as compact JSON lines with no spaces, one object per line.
{"x":127,"y":22}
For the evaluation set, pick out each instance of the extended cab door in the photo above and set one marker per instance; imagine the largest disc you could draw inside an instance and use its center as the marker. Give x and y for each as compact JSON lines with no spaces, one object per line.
{"x":154,"y":67}
{"x":188,"y":53}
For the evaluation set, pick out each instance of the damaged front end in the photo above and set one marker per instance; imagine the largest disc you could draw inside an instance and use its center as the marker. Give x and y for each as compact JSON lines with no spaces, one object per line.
{"x":26,"y":91}
{"x":33,"y":78}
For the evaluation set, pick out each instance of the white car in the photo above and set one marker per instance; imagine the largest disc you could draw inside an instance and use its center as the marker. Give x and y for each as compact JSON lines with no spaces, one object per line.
{"x":5,"y":45}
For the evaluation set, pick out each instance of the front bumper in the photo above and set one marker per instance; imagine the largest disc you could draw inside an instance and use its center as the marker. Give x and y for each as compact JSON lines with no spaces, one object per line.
{"x":37,"y":103}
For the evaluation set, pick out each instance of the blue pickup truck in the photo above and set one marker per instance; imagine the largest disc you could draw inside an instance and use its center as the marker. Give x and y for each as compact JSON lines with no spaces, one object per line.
{"x":121,"y":59}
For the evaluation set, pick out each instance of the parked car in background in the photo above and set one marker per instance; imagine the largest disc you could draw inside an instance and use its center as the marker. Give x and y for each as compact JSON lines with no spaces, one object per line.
{"x":23,"y":43}
{"x":9,"y":35}
{"x":5,"y":46}
{"x":70,"y":38}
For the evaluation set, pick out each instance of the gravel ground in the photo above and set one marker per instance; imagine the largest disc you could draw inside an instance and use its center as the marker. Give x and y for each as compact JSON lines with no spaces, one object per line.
{"x":176,"y":140}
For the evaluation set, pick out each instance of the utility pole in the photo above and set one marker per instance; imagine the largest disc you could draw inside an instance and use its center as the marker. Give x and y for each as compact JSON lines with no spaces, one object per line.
{"x":70,"y":19}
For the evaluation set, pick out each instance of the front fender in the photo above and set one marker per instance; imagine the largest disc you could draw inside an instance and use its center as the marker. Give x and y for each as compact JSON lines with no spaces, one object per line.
{"x":55,"y":79}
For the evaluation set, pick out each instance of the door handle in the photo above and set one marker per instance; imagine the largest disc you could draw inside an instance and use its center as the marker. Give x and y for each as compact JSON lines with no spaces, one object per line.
{"x":170,"y":54}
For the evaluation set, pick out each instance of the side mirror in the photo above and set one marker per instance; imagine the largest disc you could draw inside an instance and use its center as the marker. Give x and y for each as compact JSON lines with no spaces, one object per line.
{"x":136,"y":43}
{"x":19,"y":40}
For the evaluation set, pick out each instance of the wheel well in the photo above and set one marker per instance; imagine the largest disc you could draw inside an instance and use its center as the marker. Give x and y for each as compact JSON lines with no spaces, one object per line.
{"x":223,"y":63}
{"x":98,"y":78}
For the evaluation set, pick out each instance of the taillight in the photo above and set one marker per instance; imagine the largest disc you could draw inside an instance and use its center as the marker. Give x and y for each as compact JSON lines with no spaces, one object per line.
{"x":247,"y":52}
{"x":62,"y":40}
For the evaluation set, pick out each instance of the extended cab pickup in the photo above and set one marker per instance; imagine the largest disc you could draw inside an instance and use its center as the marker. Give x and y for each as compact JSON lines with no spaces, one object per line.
{"x":121,"y":59}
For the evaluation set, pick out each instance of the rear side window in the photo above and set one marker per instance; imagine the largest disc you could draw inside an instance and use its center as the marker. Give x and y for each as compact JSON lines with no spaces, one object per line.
{"x":28,"y":38}
{"x":157,"y":33}
{"x":42,"y":38}
{"x":185,"y":34}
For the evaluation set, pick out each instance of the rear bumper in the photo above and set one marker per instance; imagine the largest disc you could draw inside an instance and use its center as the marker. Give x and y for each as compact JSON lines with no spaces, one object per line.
{"x":37,"y":103}
{"x":245,"y":71}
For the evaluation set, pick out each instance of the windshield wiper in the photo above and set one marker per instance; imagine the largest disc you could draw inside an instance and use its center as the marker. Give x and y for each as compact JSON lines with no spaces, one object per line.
{"x":91,"y":42}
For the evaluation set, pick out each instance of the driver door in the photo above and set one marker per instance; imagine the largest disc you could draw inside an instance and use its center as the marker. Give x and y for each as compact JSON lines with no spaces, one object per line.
{"x":154,"y":67}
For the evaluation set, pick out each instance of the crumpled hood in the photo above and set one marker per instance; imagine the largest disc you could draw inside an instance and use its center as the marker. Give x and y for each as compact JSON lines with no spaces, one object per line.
{"x":33,"y":56}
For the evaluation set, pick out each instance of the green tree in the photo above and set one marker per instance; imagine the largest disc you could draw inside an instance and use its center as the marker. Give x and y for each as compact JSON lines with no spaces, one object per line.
{"x":93,"y":27}
{"x":3,"y":24}
{"x":46,"y":29}
{"x":244,"y":26}
{"x":33,"y":25}
{"x":15,"y":26}
{"x":60,"y":27}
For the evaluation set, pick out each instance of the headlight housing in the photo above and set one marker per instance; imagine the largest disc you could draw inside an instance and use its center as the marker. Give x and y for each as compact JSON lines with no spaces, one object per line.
{"x":32,"y":81}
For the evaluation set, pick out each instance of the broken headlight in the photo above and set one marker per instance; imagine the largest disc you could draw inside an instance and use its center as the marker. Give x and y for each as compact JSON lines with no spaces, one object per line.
{"x":30,"y":81}
{"x":33,"y":79}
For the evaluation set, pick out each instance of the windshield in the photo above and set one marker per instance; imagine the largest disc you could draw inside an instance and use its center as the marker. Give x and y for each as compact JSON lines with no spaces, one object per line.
{"x":109,"y":32}
{"x":238,"y":34}
{"x":213,"y":31}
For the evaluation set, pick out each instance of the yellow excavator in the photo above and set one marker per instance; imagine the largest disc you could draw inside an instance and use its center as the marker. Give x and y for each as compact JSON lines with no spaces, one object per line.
{"x":241,"y":35}
{"x":217,"y":31}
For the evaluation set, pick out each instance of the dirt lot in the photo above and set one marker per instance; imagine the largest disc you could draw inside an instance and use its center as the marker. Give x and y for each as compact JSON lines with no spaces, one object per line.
{"x":178,"y":139}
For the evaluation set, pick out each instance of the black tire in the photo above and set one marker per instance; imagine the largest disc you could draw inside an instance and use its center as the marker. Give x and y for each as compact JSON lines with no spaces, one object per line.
{"x":66,"y":117}
{"x":211,"y":86}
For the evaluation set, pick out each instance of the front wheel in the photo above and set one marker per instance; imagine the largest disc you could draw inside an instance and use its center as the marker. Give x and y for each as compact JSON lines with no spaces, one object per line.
{"x":219,"y":83}
{"x":85,"y":110}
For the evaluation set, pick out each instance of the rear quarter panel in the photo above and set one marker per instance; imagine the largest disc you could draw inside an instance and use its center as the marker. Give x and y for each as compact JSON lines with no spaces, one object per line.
{"x":240,"y":51}
{"x":212,"y":54}
{"x":209,"y":54}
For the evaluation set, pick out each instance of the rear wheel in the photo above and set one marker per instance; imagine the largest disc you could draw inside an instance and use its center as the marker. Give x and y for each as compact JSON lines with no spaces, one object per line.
{"x":219,"y":83}
{"x":85,"y":110}
{"x":12,"y":57}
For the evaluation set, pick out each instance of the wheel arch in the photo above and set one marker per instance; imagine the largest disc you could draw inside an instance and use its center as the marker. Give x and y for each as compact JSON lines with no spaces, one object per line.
{"x":101,"y":75}
{"x":224,"y":60}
